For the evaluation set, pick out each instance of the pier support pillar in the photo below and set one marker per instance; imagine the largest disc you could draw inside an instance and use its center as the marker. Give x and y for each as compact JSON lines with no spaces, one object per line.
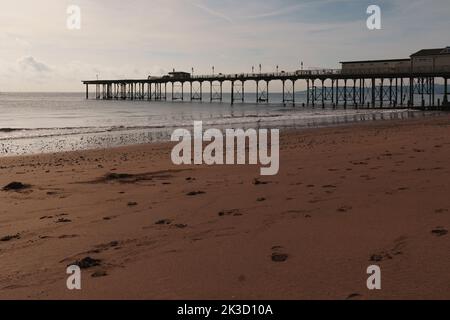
{"x":87,"y":91}
{"x":210,"y":91}
{"x":401,"y":92}
{"x":337,"y":93}
{"x":373,"y":93}
{"x":390,"y":91}
{"x":293,"y":92}
{"x":323,"y":93}
{"x":381,"y":92}
{"x":332,"y":91}
{"x":232,"y":92}
{"x":411,"y":92}
{"x":307,"y":92}
{"x":345,"y":93}
{"x":445,"y":101}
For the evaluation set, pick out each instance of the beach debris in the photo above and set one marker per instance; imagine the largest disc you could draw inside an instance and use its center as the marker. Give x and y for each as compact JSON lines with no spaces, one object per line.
{"x":181,"y":226}
{"x":87,"y":263}
{"x":261,"y":199}
{"x":16,"y":186}
{"x":132,"y":204}
{"x":63,"y":220}
{"x":9,"y":238}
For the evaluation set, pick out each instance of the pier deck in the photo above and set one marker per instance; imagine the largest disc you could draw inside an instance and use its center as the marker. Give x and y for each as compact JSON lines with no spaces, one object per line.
{"x":369,"y":88}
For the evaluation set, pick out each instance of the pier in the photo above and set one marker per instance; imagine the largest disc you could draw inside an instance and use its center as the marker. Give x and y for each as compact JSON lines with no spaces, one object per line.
{"x":392,"y":83}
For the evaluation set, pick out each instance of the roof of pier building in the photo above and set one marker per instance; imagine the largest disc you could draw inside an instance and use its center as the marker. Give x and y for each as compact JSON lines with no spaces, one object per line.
{"x":375,"y":61}
{"x":432,"y":52}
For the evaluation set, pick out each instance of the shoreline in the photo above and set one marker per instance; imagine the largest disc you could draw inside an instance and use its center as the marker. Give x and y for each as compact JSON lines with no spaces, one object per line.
{"x":128,"y":136}
{"x":346,"y":197}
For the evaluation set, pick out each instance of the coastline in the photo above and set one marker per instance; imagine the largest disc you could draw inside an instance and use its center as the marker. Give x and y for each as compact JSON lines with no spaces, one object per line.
{"x":346,"y":197}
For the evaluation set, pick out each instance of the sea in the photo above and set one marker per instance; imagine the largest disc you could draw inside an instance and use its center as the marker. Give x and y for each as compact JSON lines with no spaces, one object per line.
{"x":34,"y":123}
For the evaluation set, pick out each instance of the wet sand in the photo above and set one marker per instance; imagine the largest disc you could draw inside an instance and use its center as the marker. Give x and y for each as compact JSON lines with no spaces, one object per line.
{"x":345,"y":198}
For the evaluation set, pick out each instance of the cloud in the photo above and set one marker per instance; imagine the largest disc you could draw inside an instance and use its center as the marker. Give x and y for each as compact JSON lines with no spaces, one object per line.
{"x":30,"y":64}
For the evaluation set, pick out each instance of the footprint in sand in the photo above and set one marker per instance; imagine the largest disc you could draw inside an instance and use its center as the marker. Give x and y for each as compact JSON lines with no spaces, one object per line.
{"x":256,"y":182}
{"x":99,"y":274}
{"x":353,"y":296}
{"x":195,"y":193}
{"x":9,"y":238}
{"x":163,"y":222}
{"x":16,"y":186}
{"x":439,"y":232}
{"x":87,"y":263}
{"x":278,"y":255}
{"x":234,"y":212}
{"x":344,"y":209}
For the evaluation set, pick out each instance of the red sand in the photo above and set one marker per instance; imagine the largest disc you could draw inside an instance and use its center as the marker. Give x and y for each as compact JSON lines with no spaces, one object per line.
{"x":343,"y":196}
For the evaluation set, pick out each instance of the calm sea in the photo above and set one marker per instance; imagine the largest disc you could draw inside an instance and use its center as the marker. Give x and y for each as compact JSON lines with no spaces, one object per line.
{"x":47,"y":122}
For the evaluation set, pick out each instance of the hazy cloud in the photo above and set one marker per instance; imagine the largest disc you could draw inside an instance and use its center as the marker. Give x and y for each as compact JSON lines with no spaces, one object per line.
{"x":31,"y":64}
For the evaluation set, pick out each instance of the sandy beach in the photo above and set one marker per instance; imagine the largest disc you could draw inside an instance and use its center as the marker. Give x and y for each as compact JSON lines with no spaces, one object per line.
{"x":345,"y":198}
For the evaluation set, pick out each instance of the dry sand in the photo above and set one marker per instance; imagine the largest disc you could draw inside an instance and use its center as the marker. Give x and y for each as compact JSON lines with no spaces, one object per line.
{"x":345,"y":198}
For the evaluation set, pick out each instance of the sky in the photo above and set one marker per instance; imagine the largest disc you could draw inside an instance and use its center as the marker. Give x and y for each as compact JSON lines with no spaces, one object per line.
{"x":137,"y":38}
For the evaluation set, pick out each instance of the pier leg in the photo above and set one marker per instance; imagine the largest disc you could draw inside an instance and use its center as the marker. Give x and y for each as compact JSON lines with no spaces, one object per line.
{"x":243,"y":91}
{"x":411,"y":92}
{"x":172,"y":83}
{"x":87,"y":91}
{"x":390,"y":91}
{"x":232,"y":92}
{"x":354,"y":92}
{"x":190,"y":83}
{"x":257,"y":91}
{"x":337,"y":92}
{"x":422,"y":85}
{"x":182,"y":91}
{"x":381,"y":92}
{"x":323,"y":93}
{"x":445,"y":91}
{"x":360,"y":91}
{"x":284,"y":100}
{"x":396,"y":92}
{"x":332,"y":91}
{"x":267,"y":86}
{"x":201,"y":90}
{"x":293,"y":92}
{"x":210,"y":91}
{"x":221,"y":85}
{"x":307,"y":92}
{"x":345,"y":93}
{"x":373,"y":93}
{"x":401,"y":92}
{"x":313,"y":88}
{"x":433,"y":91}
